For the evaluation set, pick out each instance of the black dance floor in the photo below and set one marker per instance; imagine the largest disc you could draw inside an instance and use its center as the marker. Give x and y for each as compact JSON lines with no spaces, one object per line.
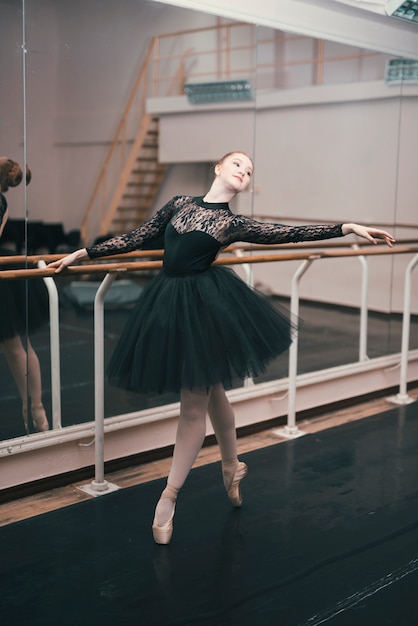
{"x":328,"y":534}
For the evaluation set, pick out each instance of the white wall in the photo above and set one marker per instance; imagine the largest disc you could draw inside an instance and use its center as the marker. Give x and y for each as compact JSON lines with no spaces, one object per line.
{"x":80,"y":63}
{"x":333,"y":154}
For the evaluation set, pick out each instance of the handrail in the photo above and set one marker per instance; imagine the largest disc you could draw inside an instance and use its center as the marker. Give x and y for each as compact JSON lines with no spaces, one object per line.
{"x":54,"y":338}
{"x":402,"y":397}
{"x":99,"y":485}
{"x":158,"y":253}
{"x":291,"y":430}
{"x":153,"y":265}
{"x":318,"y":59}
{"x":363,"y":306}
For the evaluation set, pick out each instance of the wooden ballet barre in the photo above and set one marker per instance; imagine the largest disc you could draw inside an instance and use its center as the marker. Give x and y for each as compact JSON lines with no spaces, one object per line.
{"x":48,"y":258}
{"x":154,"y":265}
{"x":254,"y":247}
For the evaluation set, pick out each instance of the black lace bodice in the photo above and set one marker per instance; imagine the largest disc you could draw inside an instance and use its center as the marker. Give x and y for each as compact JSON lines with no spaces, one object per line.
{"x":195,"y":231}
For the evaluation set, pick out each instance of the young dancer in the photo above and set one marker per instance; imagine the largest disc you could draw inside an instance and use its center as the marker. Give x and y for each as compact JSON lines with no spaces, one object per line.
{"x":197,"y":327}
{"x":21,"y":311}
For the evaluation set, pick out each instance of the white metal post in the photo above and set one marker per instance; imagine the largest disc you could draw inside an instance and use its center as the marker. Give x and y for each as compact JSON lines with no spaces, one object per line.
{"x":99,"y":485}
{"x":363,"y":306}
{"x":402,"y":397}
{"x":249,"y":279}
{"x":291,"y":430}
{"x":54,"y":334}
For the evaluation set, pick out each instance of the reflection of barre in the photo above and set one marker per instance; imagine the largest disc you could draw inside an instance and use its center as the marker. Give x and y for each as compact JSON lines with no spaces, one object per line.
{"x":55,"y":348}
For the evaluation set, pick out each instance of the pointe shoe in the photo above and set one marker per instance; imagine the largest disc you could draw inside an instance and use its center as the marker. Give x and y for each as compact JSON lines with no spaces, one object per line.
{"x":39,"y":418}
{"x":233,"y":488}
{"x":163,"y":532}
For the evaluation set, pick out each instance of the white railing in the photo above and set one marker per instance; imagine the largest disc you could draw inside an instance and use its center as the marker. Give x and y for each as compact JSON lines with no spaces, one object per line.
{"x":54,"y":335}
{"x":99,"y":485}
{"x":402,"y":397}
{"x":290,"y":430}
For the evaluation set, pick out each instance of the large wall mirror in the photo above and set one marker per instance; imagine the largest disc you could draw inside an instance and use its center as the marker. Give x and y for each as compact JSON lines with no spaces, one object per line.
{"x":331,"y":141}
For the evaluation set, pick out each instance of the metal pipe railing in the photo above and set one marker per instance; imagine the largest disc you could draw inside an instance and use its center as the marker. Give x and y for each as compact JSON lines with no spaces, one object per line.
{"x":363,"y":306}
{"x":402,"y":396}
{"x":291,"y":430}
{"x":99,"y":485}
{"x":54,"y":335}
{"x":249,"y":279}
{"x":104,"y":267}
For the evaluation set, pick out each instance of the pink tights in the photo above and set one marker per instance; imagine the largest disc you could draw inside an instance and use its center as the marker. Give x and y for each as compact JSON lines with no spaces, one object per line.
{"x":191,"y":431}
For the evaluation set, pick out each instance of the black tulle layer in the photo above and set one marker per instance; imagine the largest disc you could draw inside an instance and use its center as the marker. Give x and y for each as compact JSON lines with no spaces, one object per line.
{"x":24,"y":304}
{"x":197,"y":331}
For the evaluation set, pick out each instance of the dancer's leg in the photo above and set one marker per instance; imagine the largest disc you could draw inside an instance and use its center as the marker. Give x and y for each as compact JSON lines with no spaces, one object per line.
{"x":223,"y":421}
{"x":34,"y":376}
{"x":38,"y":414}
{"x":16,"y":358}
{"x":191,"y":432}
{"x":26,"y":371}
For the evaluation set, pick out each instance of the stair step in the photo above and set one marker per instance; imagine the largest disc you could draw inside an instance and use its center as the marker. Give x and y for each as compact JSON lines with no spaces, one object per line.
{"x":149,"y":170}
{"x":136,"y":196}
{"x":135,"y":209}
{"x":143,"y":184}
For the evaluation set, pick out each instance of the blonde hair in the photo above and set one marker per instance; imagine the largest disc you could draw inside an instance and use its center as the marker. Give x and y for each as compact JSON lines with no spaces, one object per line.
{"x":229,"y":154}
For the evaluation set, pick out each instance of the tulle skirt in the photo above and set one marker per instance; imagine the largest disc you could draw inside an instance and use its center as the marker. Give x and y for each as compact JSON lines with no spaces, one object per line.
{"x":197,"y":331}
{"x":24,"y":304}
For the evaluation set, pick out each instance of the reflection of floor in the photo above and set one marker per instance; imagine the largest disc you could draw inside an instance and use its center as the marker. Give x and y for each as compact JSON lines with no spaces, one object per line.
{"x":329,"y":336}
{"x":327,"y":533}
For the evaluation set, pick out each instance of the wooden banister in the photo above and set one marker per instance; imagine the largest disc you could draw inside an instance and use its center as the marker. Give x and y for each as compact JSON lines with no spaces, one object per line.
{"x":95,"y":268}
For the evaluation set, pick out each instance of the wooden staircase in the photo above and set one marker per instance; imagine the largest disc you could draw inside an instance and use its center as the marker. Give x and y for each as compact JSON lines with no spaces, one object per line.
{"x":131,"y":175}
{"x":142,"y":186}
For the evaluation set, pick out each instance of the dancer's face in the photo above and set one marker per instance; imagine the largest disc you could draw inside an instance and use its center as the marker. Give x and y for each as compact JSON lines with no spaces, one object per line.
{"x":235,"y":170}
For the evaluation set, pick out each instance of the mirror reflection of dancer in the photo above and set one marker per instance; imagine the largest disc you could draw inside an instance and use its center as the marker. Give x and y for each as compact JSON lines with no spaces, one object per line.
{"x":197,"y":327}
{"x":15,"y":302}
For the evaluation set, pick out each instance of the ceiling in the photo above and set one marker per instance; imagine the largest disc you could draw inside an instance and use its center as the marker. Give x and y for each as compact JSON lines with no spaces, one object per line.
{"x":379,"y":7}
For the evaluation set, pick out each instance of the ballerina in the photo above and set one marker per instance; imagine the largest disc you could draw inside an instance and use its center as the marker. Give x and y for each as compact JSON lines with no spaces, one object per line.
{"x":198,"y":327}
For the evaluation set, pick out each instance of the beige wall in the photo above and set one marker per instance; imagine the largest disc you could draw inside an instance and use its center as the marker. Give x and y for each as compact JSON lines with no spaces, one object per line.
{"x":338,"y":158}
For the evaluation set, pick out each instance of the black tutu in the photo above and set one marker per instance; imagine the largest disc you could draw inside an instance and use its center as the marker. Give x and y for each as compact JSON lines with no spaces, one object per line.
{"x":196,"y":331}
{"x":24,"y":304}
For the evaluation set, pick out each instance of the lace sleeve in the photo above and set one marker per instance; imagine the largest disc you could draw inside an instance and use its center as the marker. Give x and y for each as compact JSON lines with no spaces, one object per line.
{"x":136,"y":238}
{"x":252,"y":231}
